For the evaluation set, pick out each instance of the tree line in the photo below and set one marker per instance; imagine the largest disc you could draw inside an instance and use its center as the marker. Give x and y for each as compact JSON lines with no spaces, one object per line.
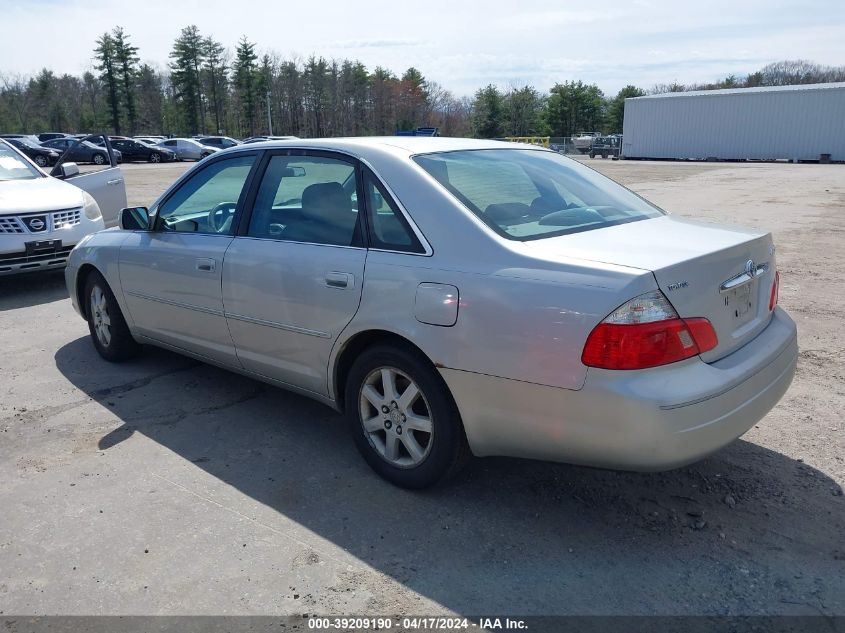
{"x":209,"y":89}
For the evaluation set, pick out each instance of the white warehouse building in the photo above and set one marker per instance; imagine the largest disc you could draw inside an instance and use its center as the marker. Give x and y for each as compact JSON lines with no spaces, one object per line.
{"x":780,"y":122}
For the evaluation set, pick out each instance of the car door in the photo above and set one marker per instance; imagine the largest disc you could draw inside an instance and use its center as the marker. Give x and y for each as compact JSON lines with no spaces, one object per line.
{"x":125,"y":148}
{"x":173,"y":146}
{"x":105,"y":184}
{"x":171,"y":275}
{"x":292,"y":278}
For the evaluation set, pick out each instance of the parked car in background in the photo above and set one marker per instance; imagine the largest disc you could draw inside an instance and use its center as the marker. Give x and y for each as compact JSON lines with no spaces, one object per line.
{"x":136,"y":150}
{"x":42,"y":156}
{"x":261,"y":139}
{"x":188,"y":149}
{"x":42,"y":217}
{"x":149,"y":137}
{"x":48,"y":136}
{"x":220,"y":142}
{"x":452,"y":295}
{"x":82,"y":151}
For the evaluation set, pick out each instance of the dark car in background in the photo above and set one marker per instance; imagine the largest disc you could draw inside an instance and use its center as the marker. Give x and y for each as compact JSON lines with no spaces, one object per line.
{"x":41,"y":156}
{"x":82,"y":152}
{"x":49,"y":136}
{"x":222,"y":142}
{"x":136,"y":150}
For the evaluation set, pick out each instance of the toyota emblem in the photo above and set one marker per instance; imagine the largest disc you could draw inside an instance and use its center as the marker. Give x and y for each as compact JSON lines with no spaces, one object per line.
{"x":750,"y":267}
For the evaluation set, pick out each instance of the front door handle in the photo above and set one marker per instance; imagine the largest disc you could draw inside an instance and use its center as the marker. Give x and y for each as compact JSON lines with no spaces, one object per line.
{"x":340,"y":280}
{"x":206,"y":264}
{"x":115,"y":181}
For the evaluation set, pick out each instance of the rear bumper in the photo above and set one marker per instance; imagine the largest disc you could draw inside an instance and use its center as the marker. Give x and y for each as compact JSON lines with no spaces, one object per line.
{"x":653,"y":419}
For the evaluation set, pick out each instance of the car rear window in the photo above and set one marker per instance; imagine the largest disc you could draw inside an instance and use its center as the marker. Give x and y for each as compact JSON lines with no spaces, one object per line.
{"x":525,"y":194}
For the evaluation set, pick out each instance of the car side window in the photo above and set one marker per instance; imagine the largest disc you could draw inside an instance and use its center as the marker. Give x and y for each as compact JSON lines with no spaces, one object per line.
{"x":170,"y":143}
{"x":388,"y":228}
{"x":307,"y":199}
{"x":207,"y":202}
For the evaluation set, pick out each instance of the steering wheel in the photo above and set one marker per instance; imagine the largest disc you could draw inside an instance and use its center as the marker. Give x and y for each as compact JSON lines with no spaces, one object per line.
{"x":220,"y":214}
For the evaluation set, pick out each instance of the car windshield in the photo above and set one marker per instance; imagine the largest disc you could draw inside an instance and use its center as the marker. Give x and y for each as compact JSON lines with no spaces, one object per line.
{"x":13,"y":167}
{"x":525,"y":194}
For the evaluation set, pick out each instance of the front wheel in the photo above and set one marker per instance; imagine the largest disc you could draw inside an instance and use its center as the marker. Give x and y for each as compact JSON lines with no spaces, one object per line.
{"x":403,"y":418}
{"x":108,"y":328}
{"x":41,"y":161}
{"x":205,"y":155}
{"x":99,"y":159}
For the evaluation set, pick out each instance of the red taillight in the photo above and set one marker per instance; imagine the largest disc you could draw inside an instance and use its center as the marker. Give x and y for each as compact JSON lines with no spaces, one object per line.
{"x":773,"y":299}
{"x":642,"y":345}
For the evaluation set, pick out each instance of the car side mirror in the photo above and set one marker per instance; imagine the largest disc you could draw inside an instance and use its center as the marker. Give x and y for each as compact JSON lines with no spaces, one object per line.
{"x":67,"y":170}
{"x":134,"y":219}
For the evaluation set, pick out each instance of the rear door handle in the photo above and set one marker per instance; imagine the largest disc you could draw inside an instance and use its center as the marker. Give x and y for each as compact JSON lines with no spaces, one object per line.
{"x":206,"y":265}
{"x":340,"y":280}
{"x":115,"y":181}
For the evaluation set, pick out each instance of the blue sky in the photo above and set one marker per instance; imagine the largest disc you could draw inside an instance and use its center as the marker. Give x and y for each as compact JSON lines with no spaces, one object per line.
{"x":461,"y":45}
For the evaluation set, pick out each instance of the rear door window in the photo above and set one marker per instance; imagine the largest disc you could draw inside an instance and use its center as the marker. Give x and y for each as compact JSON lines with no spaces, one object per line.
{"x":307,"y":199}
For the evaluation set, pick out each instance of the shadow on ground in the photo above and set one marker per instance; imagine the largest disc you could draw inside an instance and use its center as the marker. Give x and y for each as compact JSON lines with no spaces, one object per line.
{"x":31,"y":289}
{"x":747,"y":531}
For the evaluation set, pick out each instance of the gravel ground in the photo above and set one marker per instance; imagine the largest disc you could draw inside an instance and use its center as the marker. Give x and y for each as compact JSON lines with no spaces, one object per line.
{"x":165,"y":486}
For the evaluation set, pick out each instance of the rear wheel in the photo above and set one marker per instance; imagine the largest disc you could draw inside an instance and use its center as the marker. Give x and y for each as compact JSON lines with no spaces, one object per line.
{"x":99,"y":159}
{"x":106,"y":324}
{"x":592,"y":154}
{"x":403,"y":418}
{"x":155,"y":157}
{"x":41,"y":161}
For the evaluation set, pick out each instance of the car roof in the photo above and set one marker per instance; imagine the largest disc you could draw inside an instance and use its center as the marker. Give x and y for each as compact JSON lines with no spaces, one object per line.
{"x":409,"y":145}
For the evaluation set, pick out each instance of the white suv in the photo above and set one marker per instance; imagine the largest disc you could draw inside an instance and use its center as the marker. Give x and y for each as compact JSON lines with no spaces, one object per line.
{"x":43,"y":217}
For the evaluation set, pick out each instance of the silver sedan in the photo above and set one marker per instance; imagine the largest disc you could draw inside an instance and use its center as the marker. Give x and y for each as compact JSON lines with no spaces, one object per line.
{"x":188,"y":148}
{"x":452,"y":297}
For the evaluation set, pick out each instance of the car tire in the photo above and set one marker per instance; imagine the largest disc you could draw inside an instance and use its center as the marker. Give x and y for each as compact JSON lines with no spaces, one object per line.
{"x":592,"y":155}
{"x":99,"y":159}
{"x":204,"y":155}
{"x":155,"y":157}
{"x":108,"y":328}
{"x":412,"y":457}
{"x":41,"y":161}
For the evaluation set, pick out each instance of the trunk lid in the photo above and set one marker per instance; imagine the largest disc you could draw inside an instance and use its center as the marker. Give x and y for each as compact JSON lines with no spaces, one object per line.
{"x":703,"y":269}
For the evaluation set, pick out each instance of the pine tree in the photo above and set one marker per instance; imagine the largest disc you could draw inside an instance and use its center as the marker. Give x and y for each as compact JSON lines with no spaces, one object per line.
{"x":126,"y":59}
{"x":216,"y":72}
{"x":245,"y":81}
{"x":187,"y":55}
{"x":107,"y":64}
{"x":488,"y":112}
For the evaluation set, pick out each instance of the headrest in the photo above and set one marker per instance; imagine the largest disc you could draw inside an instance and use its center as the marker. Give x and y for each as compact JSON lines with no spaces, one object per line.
{"x":324,"y":200}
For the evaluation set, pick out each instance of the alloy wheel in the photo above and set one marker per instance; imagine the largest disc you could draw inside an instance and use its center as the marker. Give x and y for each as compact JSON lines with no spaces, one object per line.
{"x":100,"y":316}
{"x":396,"y":417}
